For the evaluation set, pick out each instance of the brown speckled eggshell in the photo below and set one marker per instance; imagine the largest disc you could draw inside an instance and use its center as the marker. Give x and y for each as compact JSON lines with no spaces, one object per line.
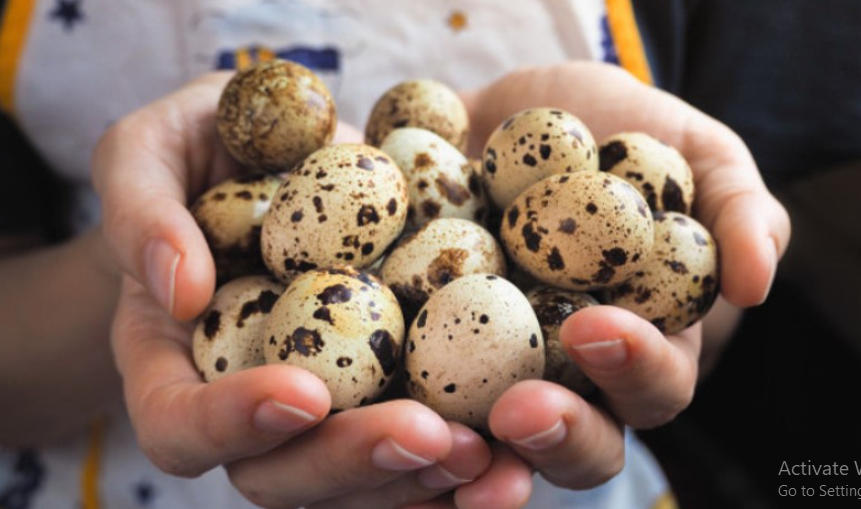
{"x":658,"y":171}
{"x":532,"y":145}
{"x":579,"y":231}
{"x":343,"y":205}
{"x":441,"y":180}
{"x":475,"y":337}
{"x":230,"y":215}
{"x":553,"y":306}
{"x":679,"y":283}
{"x":342,"y":325}
{"x":423,"y":103}
{"x":273,"y":114}
{"x":442,"y":251}
{"x":229,"y":335}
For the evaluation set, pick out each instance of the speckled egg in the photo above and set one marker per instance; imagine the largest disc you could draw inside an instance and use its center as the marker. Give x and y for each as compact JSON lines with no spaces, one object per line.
{"x":343,"y":205}
{"x":442,"y":251}
{"x":552,"y":306}
{"x":230,"y":215}
{"x":579,"y":231}
{"x":441,"y":180}
{"x":656,"y":169}
{"x":342,"y":325}
{"x":679,"y":283}
{"x":273,"y":114}
{"x":473,"y":339}
{"x":534,"y":144}
{"x":420,"y":103}
{"x":229,"y":335}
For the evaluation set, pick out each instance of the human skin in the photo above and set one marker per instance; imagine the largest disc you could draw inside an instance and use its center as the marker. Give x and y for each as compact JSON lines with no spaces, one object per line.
{"x":269,"y":423}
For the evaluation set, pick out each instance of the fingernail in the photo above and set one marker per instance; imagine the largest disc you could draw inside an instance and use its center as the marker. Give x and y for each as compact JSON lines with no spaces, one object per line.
{"x":388,"y":455}
{"x":610,"y":354}
{"x":160,"y":263}
{"x":274,"y":417}
{"x":438,"y":478}
{"x":772,"y":247}
{"x":546,"y":439}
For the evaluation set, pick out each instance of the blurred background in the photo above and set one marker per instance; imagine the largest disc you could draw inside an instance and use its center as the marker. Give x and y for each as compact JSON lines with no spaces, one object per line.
{"x":786,"y":76}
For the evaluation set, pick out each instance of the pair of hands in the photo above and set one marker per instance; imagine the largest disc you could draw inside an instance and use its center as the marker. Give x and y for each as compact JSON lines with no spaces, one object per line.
{"x":268,"y":425}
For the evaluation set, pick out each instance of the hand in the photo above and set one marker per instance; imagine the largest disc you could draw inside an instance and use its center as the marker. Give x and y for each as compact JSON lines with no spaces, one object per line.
{"x":645,"y":379}
{"x":266,"y":425}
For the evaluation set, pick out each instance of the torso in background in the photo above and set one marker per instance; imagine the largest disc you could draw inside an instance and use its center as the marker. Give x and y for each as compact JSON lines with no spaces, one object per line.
{"x":84,"y":64}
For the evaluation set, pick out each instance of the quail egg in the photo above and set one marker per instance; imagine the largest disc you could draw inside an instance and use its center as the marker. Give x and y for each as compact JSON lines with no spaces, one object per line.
{"x":579,"y":231}
{"x":679,"y":282}
{"x":342,"y":325}
{"x":343,"y":205}
{"x":442,"y":251}
{"x":230,"y":215}
{"x":657,"y":170}
{"x":534,"y":144}
{"x":441,"y":180}
{"x":552,"y":306}
{"x":420,"y":103}
{"x":273,"y":114}
{"x":228,"y":336}
{"x":472,"y":340}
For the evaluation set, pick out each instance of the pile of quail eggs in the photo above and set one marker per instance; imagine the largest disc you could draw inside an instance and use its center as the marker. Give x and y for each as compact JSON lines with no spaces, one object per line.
{"x":390,"y":268}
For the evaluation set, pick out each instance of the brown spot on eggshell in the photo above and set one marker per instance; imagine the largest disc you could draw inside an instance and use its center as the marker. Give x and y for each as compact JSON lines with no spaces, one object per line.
{"x":305,"y":342}
{"x":453,"y":191}
{"x":212,"y":323}
{"x":383,"y":346}
{"x":612,"y":154}
{"x":430,"y":208}
{"x":335,"y":294}
{"x":446,"y":267}
{"x":568,"y":226}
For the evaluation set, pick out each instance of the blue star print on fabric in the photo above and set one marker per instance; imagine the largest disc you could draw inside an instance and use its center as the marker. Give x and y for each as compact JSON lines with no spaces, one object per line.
{"x":610,"y":55}
{"x":145,"y":493}
{"x":68,"y":12}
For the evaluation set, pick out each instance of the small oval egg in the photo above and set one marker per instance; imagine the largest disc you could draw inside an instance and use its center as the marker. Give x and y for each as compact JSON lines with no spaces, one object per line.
{"x":679,"y":283}
{"x":579,"y":231}
{"x":473,"y":339}
{"x":273,"y":114}
{"x":342,"y":325}
{"x":658,"y":171}
{"x":532,"y":145}
{"x":442,"y":251}
{"x":230,"y":215}
{"x":552,"y":306}
{"x":229,"y":335}
{"x":441,"y":180}
{"x":424,"y":103}
{"x":343,"y":205}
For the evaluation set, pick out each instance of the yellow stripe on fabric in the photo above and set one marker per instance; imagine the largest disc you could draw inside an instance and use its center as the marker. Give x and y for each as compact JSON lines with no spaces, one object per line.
{"x":666,"y":501}
{"x":92,"y":467}
{"x":626,"y":38}
{"x":13,"y":34}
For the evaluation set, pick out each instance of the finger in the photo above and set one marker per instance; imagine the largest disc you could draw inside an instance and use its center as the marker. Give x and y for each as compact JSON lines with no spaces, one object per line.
{"x":572,"y":443}
{"x":346,"y":133}
{"x":442,"y":502}
{"x":469,"y":458}
{"x":356,"y":450}
{"x":751,"y":228}
{"x":506,"y":484}
{"x":187,"y":427}
{"x":645,"y":378}
{"x":146,"y":168}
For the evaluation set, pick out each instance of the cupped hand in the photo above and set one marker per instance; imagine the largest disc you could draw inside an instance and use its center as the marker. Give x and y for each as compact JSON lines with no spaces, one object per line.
{"x":268,"y":426}
{"x":645,"y":379}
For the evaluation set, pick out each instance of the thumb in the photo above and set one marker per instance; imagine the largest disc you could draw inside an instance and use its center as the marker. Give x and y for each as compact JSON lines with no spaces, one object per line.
{"x":145,"y":168}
